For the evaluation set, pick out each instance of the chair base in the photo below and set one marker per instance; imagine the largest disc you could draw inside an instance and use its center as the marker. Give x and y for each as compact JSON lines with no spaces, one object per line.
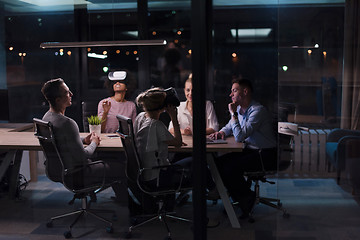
{"x":161,"y":216}
{"x":84,"y":210}
{"x":268,"y":201}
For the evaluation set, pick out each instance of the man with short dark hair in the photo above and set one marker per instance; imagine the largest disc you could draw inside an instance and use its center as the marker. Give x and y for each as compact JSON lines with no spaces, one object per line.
{"x":252,"y":124}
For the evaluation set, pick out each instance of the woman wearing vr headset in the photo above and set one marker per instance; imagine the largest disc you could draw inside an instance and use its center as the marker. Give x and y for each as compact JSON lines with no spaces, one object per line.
{"x":152,"y":141}
{"x":153,"y":138}
{"x":109,"y":107}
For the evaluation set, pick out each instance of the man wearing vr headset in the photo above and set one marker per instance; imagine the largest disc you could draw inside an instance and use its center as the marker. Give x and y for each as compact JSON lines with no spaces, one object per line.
{"x":109,"y":107}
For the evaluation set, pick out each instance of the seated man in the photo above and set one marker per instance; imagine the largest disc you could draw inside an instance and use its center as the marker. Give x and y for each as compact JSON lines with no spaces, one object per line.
{"x":70,"y":144}
{"x":252,"y":124}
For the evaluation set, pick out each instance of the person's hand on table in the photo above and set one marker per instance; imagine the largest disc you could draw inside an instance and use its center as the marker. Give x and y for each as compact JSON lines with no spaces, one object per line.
{"x":187,"y":131}
{"x":95,"y":138}
{"x":87,"y":139}
{"x":217,"y":135}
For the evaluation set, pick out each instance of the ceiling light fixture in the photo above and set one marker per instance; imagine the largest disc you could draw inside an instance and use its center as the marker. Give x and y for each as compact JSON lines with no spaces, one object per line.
{"x":251,"y":32}
{"x":103,"y":43}
{"x":94,"y":55}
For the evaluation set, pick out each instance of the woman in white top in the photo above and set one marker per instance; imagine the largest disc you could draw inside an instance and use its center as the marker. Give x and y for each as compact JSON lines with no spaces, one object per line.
{"x":185,"y":113}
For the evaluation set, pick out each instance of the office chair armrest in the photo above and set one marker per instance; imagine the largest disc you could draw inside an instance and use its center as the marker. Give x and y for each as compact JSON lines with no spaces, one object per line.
{"x":167,"y":166}
{"x":336,"y":134}
{"x":343,"y":144}
{"x":82,"y":168}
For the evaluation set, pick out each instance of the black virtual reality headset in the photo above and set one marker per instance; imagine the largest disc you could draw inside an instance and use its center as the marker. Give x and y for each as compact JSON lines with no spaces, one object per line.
{"x":118,"y":76}
{"x":170,"y":99}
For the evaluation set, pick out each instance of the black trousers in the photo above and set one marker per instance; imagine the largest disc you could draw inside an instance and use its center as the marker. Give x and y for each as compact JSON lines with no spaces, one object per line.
{"x":232,"y":166}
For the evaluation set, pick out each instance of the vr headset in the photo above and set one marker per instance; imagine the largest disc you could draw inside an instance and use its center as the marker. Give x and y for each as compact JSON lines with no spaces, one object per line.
{"x":118,"y":76}
{"x":170,"y":99}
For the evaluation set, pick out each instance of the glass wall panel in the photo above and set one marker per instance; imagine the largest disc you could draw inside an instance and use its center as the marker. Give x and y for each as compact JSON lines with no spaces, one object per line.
{"x":294,"y":52}
{"x":312,"y":66}
{"x":310,"y":62}
{"x":245,"y":46}
{"x":28,"y":66}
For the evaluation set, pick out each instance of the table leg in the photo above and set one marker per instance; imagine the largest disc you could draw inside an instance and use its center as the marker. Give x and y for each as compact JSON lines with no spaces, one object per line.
{"x":33,"y":158}
{"x":222,"y":191}
{"x":9,"y":157}
{"x":14,"y":176}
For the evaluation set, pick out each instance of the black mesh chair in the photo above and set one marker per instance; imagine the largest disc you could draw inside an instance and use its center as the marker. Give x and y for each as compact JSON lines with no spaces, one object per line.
{"x":284,"y":147}
{"x":134,"y":172}
{"x":57,"y":172}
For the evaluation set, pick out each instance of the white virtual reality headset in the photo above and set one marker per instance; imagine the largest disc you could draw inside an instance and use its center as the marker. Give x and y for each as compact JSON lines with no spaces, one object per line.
{"x":118,"y":76}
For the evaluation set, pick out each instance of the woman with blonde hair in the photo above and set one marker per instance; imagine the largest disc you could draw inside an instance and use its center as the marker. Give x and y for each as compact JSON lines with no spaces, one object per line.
{"x":185,"y":115}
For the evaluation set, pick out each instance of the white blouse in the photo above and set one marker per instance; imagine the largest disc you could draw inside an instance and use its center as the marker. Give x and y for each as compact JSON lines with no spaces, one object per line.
{"x":185,"y":119}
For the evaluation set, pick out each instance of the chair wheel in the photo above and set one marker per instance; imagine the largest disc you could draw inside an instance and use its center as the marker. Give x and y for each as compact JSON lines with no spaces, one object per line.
{"x":167,"y":238}
{"x":109,"y":229}
{"x":67,"y":234}
{"x":49,"y":224}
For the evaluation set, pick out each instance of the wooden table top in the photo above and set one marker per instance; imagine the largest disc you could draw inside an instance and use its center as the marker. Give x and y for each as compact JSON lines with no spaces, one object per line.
{"x":27,"y":141}
{"x":16,"y":127}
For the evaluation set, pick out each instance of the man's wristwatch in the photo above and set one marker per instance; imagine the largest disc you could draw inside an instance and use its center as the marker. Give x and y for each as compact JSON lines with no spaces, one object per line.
{"x":235,"y":114}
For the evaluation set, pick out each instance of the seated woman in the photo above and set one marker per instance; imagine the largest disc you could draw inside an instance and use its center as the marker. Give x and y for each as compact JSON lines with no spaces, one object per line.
{"x":185,"y":115}
{"x":185,"y":118}
{"x":69,"y":142}
{"x":153,"y":138}
{"x":109,"y":107}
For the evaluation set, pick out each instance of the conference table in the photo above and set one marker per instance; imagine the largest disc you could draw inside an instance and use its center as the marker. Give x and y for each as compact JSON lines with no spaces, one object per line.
{"x":14,"y":143}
